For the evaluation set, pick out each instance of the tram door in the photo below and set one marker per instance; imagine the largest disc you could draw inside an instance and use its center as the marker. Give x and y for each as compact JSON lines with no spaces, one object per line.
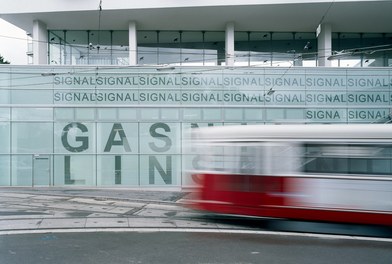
{"x":41,"y":170}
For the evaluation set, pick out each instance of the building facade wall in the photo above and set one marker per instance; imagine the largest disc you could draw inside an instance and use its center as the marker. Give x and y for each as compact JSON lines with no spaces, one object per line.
{"x":127,"y":126}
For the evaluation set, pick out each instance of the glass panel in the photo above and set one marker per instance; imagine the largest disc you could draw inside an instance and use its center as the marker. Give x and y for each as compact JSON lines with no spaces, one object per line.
{"x":147,"y":47}
{"x":5,"y":170}
{"x":127,"y":114}
{"x":350,"y":41}
{"x":158,"y":170}
{"x":32,"y":138}
{"x":56,"y":47}
{"x":30,"y":78}
{"x":260,"y":49}
{"x":374,"y":50}
{"x":295,"y":115}
{"x":22,"y":170}
{"x":212,"y":114}
{"x":74,"y":137}
{"x":388,"y":53}
{"x":170,"y":114}
{"x":283,"y":49}
{"x":275,"y":115}
{"x":326,"y":115}
{"x":85,"y":114}
{"x":64,"y":114}
{"x":118,"y":138}
{"x":192,"y":114}
{"x":160,"y":138}
{"x":149,"y":114}
{"x":253,"y":114}
{"x":169,"y":47}
{"x":234,"y":114}
{"x":192,"y":48}
{"x":120,"y":47}
{"x":77,"y":47}
{"x":242,"y":48}
{"x":107,"y":114}
{"x":100,"y":47}
{"x":23,"y":114}
{"x":41,"y":170}
{"x":4,"y":95}
{"x":74,"y":170}
{"x":214,"y":48}
{"x":306,"y":48}
{"x":118,"y":170}
{"x":4,"y":114}
{"x":32,"y":97}
{"x":5,"y":84}
{"x":5,"y":137}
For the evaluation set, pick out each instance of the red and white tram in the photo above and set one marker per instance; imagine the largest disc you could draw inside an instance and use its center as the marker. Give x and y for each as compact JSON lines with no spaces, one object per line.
{"x":338,"y":173}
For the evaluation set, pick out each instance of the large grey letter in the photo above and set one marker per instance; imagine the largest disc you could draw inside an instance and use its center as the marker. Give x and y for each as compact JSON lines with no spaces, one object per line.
{"x":166,"y":139}
{"x":84,"y":140}
{"x":117,"y":128}
{"x":154,"y":164}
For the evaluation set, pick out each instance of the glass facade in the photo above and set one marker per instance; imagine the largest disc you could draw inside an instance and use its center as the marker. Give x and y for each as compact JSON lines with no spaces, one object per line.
{"x":125,"y":126}
{"x":362,"y":49}
{"x":81,"y":47}
{"x":207,"y":48}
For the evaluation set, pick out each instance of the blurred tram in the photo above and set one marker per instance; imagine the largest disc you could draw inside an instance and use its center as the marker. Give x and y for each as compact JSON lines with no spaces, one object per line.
{"x":338,"y":173}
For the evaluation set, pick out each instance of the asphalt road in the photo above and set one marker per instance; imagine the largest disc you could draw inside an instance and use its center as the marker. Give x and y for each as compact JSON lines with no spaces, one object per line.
{"x":179,"y":247}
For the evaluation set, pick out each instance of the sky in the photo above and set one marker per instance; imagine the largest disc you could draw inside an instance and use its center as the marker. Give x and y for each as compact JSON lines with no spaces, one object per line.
{"x":13,"y":43}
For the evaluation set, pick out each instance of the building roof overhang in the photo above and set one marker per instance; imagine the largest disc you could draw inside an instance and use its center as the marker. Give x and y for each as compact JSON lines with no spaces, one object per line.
{"x":256,"y":15}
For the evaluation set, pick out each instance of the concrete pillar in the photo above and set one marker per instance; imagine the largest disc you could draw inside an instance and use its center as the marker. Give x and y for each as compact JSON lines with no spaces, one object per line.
{"x":40,"y":43}
{"x":132,"y":43}
{"x":229,"y":44}
{"x":324,"y":41}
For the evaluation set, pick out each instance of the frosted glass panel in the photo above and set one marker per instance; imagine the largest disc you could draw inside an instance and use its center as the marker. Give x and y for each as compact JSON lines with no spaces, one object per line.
{"x":64,"y":114}
{"x":107,"y":114}
{"x":22,"y":170}
{"x":149,"y":114}
{"x":118,"y":170}
{"x":192,"y":114}
{"x":35,"y":114}
{"x":5,"y":138}
{"x":32,"y":96}
{"x":160,"y":170}
{"x":127,"y":114}
{"x":85,"y":114}
{"x":32,"y":138}
{"x":212,"y":114}
{"x":75,"y":170}
{"x":160,"y":138}
{"x":5,"y":175}
{"x":118,"y":138}
{"x":233,"y":114}
{"x":253,"y":114}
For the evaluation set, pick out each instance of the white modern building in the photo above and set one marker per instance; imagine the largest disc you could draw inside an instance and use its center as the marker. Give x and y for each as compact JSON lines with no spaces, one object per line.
{"x":114,"y":86}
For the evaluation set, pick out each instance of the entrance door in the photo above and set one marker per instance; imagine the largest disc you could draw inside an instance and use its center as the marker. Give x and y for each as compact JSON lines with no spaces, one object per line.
{"x":41,"y":170}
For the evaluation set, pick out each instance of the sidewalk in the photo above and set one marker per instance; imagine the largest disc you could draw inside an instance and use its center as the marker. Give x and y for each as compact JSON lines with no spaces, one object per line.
{"x":55,"y":209}
{"x":150,"y":195}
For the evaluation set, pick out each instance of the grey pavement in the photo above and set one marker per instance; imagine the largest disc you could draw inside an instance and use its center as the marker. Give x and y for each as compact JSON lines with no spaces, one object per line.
{"x":54,"y":209}
{"x":24,"y":210}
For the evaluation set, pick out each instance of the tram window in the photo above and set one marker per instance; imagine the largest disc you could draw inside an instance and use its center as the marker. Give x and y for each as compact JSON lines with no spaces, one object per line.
{"x":347,"y":159}
{"x":237,"y":157}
